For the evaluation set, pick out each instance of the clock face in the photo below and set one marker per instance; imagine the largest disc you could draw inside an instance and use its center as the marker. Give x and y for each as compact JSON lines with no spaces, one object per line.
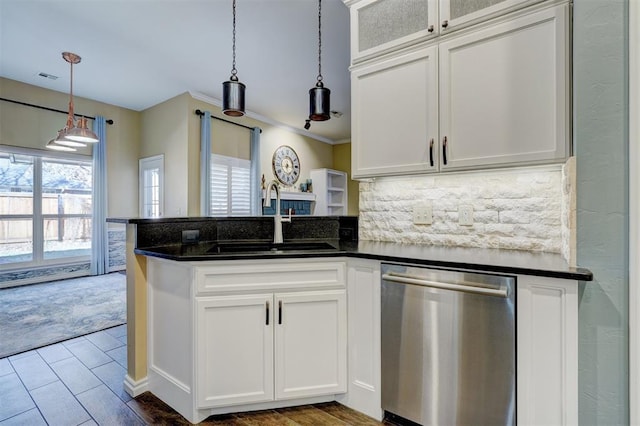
{"x":286,"y":165}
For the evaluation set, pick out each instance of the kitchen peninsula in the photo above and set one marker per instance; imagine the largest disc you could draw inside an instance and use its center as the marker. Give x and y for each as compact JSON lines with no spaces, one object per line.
{"x":185,"y":294}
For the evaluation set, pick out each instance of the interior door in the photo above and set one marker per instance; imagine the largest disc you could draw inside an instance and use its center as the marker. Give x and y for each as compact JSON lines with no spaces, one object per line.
{"x":151,"y":179}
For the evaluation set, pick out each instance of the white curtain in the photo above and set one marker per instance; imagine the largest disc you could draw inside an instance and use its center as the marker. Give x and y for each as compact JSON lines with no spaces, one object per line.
{"x":99,"y":236}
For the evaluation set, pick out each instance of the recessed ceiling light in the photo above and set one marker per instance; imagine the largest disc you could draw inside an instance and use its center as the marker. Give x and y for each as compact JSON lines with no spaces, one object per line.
{"x":49,"y":76}
{"x":336,"y":114}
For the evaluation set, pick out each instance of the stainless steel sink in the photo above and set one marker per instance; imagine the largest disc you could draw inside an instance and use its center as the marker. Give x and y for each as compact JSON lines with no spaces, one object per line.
{"x":257,"y":247}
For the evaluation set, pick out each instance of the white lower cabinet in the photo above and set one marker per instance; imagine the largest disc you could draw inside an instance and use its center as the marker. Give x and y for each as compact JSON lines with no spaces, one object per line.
{"x":364,"y":393}
{"x":234,"y":347}
{"x":310,"y":343}
{"x":546,"y":347}
{"x":246,"y":335}
{"x":547,"y":351}
{"x":236,"y":350}
{"x":249,"y":335}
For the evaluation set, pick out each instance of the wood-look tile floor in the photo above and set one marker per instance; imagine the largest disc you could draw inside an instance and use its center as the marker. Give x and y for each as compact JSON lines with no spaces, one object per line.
{"x":79,"y":382}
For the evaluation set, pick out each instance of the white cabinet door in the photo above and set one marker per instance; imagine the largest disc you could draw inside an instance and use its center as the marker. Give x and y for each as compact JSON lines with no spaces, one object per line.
{"x":547,"y":342}
{"x":234,"y":350}
{"x":457,"y":13}
{"x":504,"y":93}
{"x":395,"y":115}
{"x":364,"y":393}
{"x":379,"y":26}
{"x":311,"y":343}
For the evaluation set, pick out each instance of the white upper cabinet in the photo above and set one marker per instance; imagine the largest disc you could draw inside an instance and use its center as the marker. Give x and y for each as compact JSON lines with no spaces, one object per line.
{"x":493,"y":95}
{"x":395,"y":115}
{"x":504,"y":93}
{"x":378,"y":26}
{"x":457,"y":13}
{"x":382,"y":26}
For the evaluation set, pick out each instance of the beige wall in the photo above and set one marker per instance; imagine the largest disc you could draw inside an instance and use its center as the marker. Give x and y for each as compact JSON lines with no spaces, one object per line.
{"x":342,"y":162}
{"x":28,"y":127}
{"x":171,"y":128}
{"x":312,"y":153}
{"x":165,"y":131}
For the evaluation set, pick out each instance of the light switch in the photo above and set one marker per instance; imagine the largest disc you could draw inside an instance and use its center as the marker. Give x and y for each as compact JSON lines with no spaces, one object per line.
{"x":422,"y":214}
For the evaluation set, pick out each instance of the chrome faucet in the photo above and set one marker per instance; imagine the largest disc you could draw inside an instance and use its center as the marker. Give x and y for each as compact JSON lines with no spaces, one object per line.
{"x":277,"y":219}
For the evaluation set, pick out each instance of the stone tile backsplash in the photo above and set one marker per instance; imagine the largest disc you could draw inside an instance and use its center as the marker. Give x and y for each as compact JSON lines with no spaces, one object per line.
{"x":523,"y":209}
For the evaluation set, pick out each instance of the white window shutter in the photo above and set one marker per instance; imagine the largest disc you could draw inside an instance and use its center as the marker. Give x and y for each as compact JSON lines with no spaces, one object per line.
{"x":230,"y":186}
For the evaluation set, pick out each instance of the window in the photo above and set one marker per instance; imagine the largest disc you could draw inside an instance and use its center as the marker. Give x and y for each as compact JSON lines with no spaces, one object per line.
{"x":16,"y":208}
{"x":45,"y":209}
{"x":151,"y":186}
{"x":229,"y":168}
{"x":66,"y":208}
{"x":230,"y":186}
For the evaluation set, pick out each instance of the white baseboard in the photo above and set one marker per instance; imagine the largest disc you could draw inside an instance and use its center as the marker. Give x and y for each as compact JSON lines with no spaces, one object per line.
{"x":134,"y":388}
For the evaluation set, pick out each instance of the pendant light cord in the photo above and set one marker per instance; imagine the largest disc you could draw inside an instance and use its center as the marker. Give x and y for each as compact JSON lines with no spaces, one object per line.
{"x":234,"y":71}
{"x":70,"y":123}
{"x":319,"y":83}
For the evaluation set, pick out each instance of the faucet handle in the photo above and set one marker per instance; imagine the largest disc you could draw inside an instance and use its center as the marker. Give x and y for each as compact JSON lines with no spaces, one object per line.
{"x":288,"y":217}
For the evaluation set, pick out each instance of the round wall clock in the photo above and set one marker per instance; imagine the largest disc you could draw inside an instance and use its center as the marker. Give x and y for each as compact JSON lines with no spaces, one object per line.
{"x":286,"y":165}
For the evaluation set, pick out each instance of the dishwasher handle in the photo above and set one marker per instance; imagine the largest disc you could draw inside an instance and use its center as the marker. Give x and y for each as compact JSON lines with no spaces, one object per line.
{"x":417,"y":280}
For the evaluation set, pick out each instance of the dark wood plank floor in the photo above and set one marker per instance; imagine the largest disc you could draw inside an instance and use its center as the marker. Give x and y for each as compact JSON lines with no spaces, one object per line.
{"x":79,"y":382}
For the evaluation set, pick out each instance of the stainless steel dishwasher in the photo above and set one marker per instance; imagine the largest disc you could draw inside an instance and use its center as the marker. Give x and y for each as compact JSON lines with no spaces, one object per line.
{"x":448,"y":346}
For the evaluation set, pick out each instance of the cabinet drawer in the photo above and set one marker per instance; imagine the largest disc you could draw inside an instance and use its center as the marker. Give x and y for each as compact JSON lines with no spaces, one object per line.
{"x":236,"y":277}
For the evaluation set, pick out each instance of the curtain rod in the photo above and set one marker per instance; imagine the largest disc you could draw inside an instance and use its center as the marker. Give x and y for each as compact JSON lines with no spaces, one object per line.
{"x":50,"y":109}
{"x":200,"y":113}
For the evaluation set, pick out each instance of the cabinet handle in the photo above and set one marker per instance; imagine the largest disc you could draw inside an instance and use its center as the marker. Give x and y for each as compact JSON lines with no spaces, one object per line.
{"x":431,"y":152}
{"x":444,"y":150}
{"x":445,"y":23}
{"x":279,"y":311}
{"x":430,"y":29}
{"x":267,"y":321}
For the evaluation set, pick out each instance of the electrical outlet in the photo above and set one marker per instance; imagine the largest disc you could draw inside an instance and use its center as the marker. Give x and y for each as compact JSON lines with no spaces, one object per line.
{"x":422,"y":214}
{"x":465,"y":215}
{"x":191,"y":236}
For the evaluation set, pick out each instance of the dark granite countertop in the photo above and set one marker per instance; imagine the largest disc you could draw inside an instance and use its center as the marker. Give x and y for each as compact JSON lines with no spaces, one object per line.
{"x":486,"y":260}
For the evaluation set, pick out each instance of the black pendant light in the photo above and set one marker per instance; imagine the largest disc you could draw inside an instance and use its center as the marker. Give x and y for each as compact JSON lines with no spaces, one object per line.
{"x":233,"y":89}
{"x":319,"y":96}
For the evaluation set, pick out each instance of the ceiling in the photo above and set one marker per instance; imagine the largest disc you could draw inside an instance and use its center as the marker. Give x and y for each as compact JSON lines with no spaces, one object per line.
{"x":138,"y":53}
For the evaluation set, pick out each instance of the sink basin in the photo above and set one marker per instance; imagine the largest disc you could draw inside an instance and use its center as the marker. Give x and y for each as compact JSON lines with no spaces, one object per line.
{"x":257,"y":247}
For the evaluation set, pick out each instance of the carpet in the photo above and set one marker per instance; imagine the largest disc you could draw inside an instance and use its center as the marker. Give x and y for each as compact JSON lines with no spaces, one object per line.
{"x":37,"y":315}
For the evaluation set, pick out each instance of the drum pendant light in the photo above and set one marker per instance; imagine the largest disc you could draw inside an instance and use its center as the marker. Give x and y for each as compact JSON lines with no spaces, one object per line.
{"x":233,"y":89}
{"x":319,"y":96}
{"x":72,"y":135}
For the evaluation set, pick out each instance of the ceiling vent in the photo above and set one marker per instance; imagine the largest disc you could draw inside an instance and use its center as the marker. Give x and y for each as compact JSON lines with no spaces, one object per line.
{"x":49,"y":76}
